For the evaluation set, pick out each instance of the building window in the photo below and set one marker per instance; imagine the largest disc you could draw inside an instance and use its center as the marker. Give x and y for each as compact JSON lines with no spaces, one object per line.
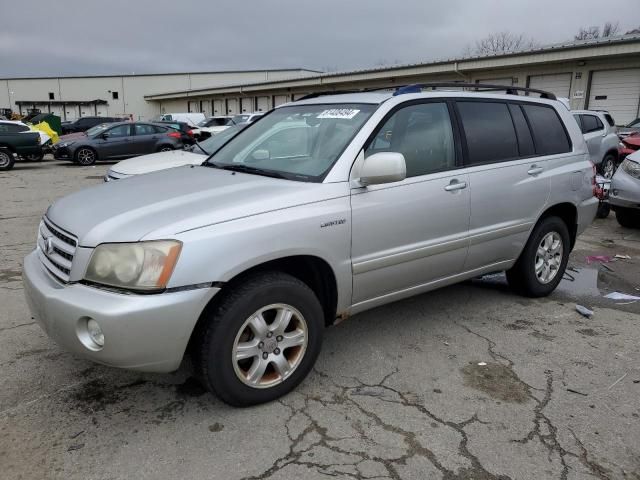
{"x":114,"y":95}
{"x":51,"y":96}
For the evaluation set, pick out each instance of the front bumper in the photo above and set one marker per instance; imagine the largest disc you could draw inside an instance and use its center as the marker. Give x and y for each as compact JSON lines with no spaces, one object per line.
{"x":142,"y":332}
{"x":61,"y":153}
{"x":625,"y":190}
{"x":111,"y":175}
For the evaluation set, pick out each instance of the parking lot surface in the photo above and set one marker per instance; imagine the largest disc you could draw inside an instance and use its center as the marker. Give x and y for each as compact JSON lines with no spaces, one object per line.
{"x":467,"y":382}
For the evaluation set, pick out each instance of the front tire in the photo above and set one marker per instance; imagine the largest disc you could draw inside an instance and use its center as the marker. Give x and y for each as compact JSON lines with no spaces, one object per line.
{"x":85,"y":156}
{"x":628,"y":217}
{"x":603,"y":210}
{"x":165,"y":148}
{"x":6,"y":160}
{"x":543,"y":261}
{"x":261,"y":340}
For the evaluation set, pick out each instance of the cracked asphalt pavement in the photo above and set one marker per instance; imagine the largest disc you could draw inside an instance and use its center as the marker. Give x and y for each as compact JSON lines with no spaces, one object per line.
{"x":467,"y":382}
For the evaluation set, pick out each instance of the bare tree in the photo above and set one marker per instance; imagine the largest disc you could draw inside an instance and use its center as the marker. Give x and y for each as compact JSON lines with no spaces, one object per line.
{"x":609,"y":29}
{"x":501,"y":42}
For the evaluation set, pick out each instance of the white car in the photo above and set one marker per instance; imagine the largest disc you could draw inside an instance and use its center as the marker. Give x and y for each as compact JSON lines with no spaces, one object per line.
{"x":192,"y":155}
{"x":600,"y":132}
{"x":212,"y":126}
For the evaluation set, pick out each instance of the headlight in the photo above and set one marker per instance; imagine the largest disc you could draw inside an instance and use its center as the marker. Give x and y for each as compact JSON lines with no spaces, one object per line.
{"x":65,"y":144}
{"x":134,"y":266}
{"x":631,"y":167}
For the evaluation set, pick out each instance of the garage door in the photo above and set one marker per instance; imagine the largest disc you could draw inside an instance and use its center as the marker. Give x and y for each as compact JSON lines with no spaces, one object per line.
{"x":280,"y":99}
{"x":232,"y":106}
{"x":218,"y":107}
{"x":558,"y":83}
{"x":194,"y":106}
{"x":264,"y":104}
{"x":617,"y":91}
{"x":247,"y":104}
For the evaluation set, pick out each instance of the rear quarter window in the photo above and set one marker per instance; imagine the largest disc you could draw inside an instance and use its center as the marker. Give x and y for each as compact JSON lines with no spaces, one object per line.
{"x":489,"y":131}
{"x":548,"y":130}
{"x":610,"y":120}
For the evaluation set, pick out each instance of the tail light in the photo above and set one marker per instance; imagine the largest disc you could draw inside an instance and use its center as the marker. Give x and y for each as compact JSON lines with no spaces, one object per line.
{"x":190,"y":133}
{"x":174,"y":135}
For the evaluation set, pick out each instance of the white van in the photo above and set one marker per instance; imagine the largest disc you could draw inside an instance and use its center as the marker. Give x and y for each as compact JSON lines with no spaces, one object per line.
{"x":191,"y":118}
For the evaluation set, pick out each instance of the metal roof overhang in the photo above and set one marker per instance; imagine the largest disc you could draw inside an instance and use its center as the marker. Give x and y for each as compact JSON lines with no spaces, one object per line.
{"x":575,"y":51}
{"x":62,"y":102}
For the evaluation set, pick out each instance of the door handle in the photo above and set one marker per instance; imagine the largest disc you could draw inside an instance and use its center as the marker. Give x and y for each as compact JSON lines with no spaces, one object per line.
{"x":535,"y":170}
{"x":455,"y":185}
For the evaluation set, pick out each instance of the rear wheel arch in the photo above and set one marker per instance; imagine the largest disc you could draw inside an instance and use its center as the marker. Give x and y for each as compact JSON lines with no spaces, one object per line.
{"x":568,"y":213}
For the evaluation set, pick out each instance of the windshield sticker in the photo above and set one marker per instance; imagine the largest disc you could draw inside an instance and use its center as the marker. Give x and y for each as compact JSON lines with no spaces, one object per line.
{"x":347,"y":113}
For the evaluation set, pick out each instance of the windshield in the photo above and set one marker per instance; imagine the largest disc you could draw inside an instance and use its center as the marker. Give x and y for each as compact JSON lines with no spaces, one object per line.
{"x":300,"y":142}
{"x":97,"y":129}
{"x":240,"y":118}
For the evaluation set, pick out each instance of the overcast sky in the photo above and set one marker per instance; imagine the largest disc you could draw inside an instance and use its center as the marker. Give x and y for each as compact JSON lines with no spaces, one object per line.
{"x":47,"y":38}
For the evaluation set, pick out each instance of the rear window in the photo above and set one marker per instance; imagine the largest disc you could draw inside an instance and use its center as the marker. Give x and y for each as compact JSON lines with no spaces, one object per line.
{"x":548,"y":130}
{"x":489,"y":131}
{"x":13,"y":128}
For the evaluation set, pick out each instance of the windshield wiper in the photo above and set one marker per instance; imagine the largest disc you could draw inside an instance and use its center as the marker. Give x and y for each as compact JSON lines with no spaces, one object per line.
{"x":247,"y":169}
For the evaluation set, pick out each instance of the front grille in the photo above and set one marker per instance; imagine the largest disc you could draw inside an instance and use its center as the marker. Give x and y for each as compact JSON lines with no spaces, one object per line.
{"x":56,"y":249}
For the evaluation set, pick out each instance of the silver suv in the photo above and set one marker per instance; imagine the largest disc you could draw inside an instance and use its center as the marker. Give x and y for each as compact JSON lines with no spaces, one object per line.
{"x":601,"y":134}
{"x":326,"y":207}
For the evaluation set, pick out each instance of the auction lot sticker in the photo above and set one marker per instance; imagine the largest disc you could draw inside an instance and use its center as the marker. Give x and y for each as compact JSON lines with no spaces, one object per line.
{"x":347,"y":113}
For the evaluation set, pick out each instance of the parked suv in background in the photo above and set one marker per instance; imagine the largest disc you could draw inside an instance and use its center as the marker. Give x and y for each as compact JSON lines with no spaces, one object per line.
{"x":85,"y":123}
{"x":600,"y":133}
{"x":118,"y":140}
{"x":324,"y":208}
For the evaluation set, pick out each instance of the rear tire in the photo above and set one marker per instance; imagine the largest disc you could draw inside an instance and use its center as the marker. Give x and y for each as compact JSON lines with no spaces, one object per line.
{"x":603,"y":210}
{"x":273,"y":360}
{"x":543,"y":261}
{"x":608,"y":166}
{"x":6,"y":160}
{"x":628,"y":217}
{"x":165,"y":148}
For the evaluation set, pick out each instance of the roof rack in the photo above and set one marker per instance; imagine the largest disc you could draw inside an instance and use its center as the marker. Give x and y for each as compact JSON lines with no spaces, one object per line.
{"x":418,"y":87}
{"x":486,"y":87}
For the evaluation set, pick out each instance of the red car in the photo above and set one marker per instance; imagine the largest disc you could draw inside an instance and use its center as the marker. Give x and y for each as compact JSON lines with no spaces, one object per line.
{"x":628,"y":145}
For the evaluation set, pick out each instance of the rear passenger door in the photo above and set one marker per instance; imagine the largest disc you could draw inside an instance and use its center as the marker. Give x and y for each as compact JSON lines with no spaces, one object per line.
{"x":409,"y":234}
{"x":144,"y":139}
{"x":506,"y":150}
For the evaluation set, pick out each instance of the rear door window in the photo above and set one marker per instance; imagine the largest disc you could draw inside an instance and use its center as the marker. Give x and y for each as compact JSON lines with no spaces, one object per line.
{"x":144,"y":129}
{"x":525,"y":140}
{"x":591,"y":123}
{"x":548,"y":131}
{"x":489,"y":131}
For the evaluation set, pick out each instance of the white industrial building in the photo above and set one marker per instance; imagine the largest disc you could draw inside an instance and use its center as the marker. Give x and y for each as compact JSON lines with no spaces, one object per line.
{"x":597,"y":74}
{"x":118,"y":95}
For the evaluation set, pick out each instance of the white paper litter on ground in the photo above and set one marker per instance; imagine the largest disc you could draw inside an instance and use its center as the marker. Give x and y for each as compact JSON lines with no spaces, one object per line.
{"x":621,"y":296}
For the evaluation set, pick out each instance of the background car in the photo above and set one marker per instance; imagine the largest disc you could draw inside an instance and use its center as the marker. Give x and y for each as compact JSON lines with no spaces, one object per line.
{"x":186,"y":131}
{"x":212,"y":126}
{"x":190,"y":118}
{"x":246,"y":117}
{"x":600,"y":133}
{"x":83,"y":124}
{"x":14,"y":126}
{"x":118,"y":140}
{"x":629,"y":129}
{"x":624,"y":195}
{"x":193,"y":155}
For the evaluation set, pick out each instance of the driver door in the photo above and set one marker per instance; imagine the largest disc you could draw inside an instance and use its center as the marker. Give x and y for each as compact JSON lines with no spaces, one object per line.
{"x":411,"y":234}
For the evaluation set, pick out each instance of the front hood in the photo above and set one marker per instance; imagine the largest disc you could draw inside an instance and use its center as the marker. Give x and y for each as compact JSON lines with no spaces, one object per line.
{"x":157,"y":161}
{"x":71,"y":137}
{"x":162,"y":204}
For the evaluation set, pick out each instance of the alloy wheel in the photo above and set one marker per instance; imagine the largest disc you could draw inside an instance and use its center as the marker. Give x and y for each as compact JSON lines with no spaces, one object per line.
{"x":269,"y":346}
{"x":5,"y":159}
{"x":608,"y":169}
{"x":548,"y":257}
{"x":86,"y":156}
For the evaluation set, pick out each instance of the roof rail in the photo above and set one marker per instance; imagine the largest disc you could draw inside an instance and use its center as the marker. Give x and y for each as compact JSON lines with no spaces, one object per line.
{"x":510,"y":89}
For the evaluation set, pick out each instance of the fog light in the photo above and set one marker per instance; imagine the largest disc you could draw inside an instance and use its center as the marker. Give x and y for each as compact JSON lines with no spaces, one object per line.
{"x":95,"y":332}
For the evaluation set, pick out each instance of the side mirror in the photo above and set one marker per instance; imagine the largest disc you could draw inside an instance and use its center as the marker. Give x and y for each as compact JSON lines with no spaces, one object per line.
{"x":383,"y":167}
{"x":260,"y":155}
{"x":104,"y":136}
